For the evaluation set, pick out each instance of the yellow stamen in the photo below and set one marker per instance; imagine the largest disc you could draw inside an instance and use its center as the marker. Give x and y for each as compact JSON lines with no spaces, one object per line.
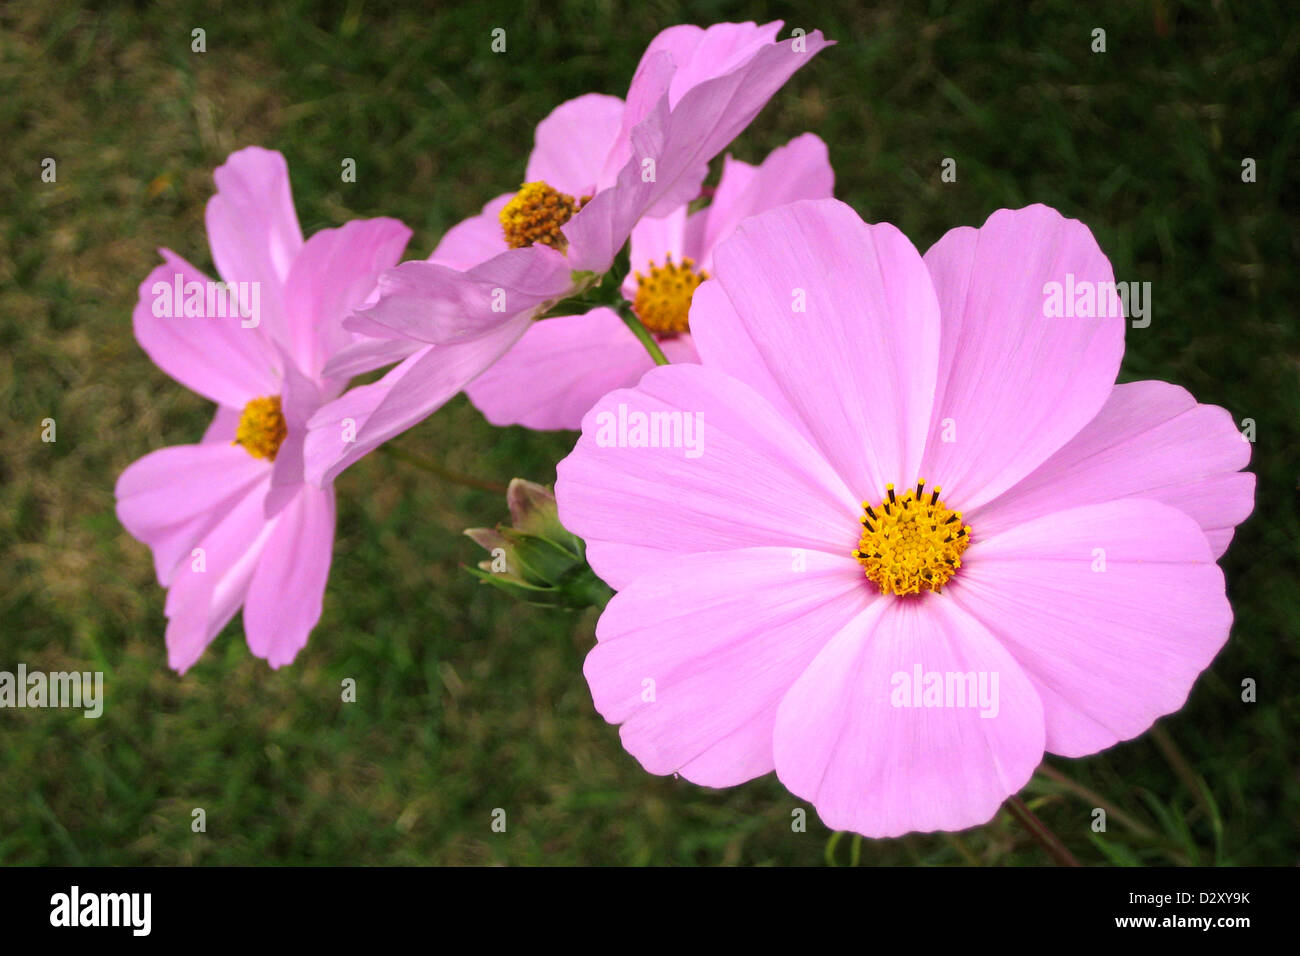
{"x":261,"y":428}
{"x":663,"y":298}
{"x":537,"y":213}
{"x":911,"y":542}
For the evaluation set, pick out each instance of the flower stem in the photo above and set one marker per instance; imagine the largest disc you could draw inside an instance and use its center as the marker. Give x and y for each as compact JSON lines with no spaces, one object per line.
{"x":433,"y":468}
{"x":1096,"y":800}
{"x":643,"y":335}
{"x":1039,"y":831}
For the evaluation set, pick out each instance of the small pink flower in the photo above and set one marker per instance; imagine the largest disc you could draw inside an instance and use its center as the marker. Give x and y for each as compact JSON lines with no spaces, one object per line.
{"x":564,"y":364}
{"x":599,"y":164}
{"x":797,"y":593}
{"x":231,"y":521}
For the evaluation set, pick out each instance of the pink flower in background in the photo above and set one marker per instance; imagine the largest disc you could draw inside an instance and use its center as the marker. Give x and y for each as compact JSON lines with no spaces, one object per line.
{"x":918,"y":536}
{"x":564,"y":364}
{"x":599,"y":164}
{"x":231,"y":521}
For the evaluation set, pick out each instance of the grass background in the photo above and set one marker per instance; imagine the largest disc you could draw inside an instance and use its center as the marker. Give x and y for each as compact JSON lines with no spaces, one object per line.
{"x":467,"y":703}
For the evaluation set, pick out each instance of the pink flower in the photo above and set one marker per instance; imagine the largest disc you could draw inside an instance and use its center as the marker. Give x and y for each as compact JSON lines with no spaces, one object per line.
{"x":792,"y":598}
{"x":564,"y":364}
{"x":231,"y":521}
{"x":599,"y":164}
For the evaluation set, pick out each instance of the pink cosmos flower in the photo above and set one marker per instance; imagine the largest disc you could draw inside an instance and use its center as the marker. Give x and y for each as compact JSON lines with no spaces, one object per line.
{"x":564,"y":364}
{"x":918,"y":536}
{"x":231,"y":521}
{"x":598,"y":166}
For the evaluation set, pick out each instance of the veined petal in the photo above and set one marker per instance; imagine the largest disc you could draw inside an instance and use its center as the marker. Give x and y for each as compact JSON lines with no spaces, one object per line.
{"x":1015,"y":381}
{"x":215,"y":356}
{"x":562,"y":366}
{"x":693,"y":460}
{"x":694,"y":658}
{"x":363,"y":418}
{"x":1113,"y":610}
{"x":844,"y":318}
{"x":1150,"y":440}
{"x":878,"y":755}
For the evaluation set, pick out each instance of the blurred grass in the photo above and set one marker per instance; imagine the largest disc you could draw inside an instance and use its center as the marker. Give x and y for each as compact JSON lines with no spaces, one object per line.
{"x":466,"y":704}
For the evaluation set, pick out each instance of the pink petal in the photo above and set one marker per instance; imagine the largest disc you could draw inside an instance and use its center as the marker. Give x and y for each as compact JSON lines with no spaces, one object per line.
{"x":562,"y":366}
{"x":224,"y":425}
{"x":1108,"y":650}
{"x":1150,"y":440}
{"x":334,"y":273}
{"x":681,"y":136}
{"x":723,"y":343}
{"x":858,"y":366}
{"x":800,"y":169}
{"x":850,"y":739}
{"x":439,"y":305}
{"x":677,"y":59}
{"x":694,"y":659}
{"x":216,"y":357}
{"x":475,"y":240}
{"x":201,"y":602}
{"x":366,"y":355}
{"x":363,"y":418}
{"x":252,"y":227}
{"x":654,"y":240}
{"x":573,"y":142}
{"x":1014,"y":384}
{"x":287,"y":589}
{"x":171,"y":498}
{"x":752,"y":481}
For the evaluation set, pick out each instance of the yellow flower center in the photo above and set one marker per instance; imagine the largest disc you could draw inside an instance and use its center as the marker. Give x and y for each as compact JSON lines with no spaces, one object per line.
{"x":663,"y":297}
{"x":911,"y":542}
{"x":537,"y":213}
{"x":261,"y":428}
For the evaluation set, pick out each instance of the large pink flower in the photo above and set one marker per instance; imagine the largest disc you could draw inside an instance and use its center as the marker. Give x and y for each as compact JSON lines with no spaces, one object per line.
{"x":788,"y":600}
{"x":230,"y":520}
{"x":599,"y":164}
{"x":563,"y":365}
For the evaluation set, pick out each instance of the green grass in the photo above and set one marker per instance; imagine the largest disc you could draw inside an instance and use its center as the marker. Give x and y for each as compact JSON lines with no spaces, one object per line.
{"x":467,"y":703}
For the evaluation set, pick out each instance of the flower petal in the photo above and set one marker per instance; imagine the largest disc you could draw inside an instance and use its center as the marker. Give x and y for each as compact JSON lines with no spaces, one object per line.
{"x":253,"y":228}
{"x":1015,"y":384}
{"x":206,"y":591}
{"x":335,"y":272}
{"x":800,"y":169}
{"x":363,"y":418}
{"x":475,"y":240}
{"x":693,"y":659}
{"x":733,"y":475}
{"x":854,"y":738}
{"x":562,"y":366}
{"x":1150,"y":440}
{"x":216,"y":357}
{"x":172,"y":497}
{"x":439,"y":305}
{"x":287,"y":589}
{"x":1113,"y":610}
{"x":573,"y":142}
{"x":844,"y":318}
{"x":681,"y":135}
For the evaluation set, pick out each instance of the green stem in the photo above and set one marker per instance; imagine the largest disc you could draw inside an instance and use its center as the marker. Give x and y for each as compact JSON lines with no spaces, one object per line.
{"x":643,"y":335}
{"x":1039,"y":831}
{"x":433,"y":468}
{"x":1094,"y":798}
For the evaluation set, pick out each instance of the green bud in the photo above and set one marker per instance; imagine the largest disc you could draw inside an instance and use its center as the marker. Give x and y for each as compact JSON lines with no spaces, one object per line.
{"x":534,"y":558}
